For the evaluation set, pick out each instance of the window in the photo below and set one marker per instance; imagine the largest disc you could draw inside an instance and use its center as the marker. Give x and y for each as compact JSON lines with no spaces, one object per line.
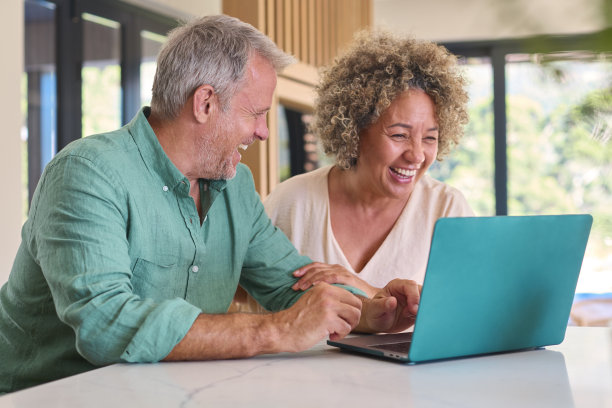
{"x":552,"y":125}
{"x":101,"y":75}
{"x":86,"y":63}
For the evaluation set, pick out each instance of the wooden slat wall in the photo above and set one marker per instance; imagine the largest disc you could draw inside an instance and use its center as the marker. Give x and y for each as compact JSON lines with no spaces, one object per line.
{"x":314,"y":31}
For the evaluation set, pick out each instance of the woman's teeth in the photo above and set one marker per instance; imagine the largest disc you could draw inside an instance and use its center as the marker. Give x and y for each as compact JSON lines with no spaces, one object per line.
{"x":404,"y":172}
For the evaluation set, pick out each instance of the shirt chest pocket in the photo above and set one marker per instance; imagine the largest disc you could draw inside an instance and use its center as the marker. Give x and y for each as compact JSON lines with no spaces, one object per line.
{"x":159,"y":282}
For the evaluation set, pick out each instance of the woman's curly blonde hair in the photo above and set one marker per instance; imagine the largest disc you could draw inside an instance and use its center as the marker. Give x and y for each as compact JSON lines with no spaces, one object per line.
{"x":361,"y":84}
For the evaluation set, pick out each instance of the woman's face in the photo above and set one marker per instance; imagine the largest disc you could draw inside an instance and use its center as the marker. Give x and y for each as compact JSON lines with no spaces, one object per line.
{"x":397,"y":150}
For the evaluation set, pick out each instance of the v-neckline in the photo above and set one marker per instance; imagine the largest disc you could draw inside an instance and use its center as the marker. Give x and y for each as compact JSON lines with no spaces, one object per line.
{"x":335,"y":242}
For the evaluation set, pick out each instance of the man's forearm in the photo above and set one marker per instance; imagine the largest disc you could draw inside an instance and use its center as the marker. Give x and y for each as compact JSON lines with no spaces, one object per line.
{"x":323,"y":311}
{"x":227,"y":336}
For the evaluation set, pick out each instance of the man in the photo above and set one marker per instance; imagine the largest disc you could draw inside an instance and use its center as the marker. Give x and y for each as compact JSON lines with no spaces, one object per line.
{"x":137,"y":239}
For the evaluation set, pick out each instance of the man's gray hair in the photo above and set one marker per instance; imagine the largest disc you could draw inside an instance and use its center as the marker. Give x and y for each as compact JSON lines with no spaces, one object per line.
{"x":211,"y":50}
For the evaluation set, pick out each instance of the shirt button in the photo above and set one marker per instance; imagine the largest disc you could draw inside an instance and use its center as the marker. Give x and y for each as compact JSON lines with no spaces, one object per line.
{"x":165,"y":188}
{"x":195,"y":269}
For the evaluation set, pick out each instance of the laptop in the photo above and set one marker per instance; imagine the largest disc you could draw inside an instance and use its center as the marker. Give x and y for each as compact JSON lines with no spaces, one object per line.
{"x":492,"y":284}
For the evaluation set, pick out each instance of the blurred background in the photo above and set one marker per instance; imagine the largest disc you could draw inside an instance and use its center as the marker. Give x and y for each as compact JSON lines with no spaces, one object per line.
{"x":540,"y":86}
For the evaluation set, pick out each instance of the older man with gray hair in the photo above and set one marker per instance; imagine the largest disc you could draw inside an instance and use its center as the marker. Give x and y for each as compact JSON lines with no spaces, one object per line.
{"x":137,"y":239}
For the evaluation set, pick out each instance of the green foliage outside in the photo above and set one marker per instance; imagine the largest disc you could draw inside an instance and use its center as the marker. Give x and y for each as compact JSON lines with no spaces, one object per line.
{"x":101,"y":94}
{"x":470,"y":166}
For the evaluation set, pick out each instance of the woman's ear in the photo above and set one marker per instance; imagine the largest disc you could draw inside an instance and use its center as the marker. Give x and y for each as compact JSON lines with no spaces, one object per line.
{"x":205,"y":103}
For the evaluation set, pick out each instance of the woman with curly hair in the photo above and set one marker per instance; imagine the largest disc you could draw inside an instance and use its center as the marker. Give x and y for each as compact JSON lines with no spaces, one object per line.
{"x":385,"y":110}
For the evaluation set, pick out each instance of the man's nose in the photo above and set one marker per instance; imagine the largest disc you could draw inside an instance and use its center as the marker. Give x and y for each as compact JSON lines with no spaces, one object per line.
{"x":261,"y":128}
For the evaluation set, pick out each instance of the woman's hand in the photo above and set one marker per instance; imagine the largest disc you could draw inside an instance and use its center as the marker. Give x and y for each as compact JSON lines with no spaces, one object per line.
{"x":393,"y":309}
{"x":316,"y":272}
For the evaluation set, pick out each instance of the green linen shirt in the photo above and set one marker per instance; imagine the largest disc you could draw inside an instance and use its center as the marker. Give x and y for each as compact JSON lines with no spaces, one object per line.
{"x":114,"y":265}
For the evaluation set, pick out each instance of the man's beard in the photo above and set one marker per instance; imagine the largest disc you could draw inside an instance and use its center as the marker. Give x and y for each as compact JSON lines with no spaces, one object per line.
{"x":217,"y":163}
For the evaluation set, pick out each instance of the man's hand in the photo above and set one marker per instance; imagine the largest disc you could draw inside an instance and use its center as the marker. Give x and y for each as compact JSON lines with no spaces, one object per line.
{"x":393,"y":309}
{"x":323,"y":311}
{"x":316,"y":272}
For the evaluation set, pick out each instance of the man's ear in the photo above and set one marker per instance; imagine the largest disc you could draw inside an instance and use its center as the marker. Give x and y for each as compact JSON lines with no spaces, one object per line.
{"x":205,"y":103}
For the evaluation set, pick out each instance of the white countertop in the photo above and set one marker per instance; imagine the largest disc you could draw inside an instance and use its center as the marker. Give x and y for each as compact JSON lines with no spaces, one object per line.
{"x":577,"y":373}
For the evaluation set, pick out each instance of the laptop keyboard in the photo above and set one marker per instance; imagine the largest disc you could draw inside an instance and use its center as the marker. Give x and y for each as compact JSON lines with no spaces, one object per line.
{"x":400,"y":347}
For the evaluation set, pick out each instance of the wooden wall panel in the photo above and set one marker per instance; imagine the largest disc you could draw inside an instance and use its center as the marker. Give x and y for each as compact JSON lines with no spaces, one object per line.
{"x":311,"y":45}
{"x":303,"y":52}
{"x":270,"y":18}
{"x":296,"y":22}
{"x":312,"y":30}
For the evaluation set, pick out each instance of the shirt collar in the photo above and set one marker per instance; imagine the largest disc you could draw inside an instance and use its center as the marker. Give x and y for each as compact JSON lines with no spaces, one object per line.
{"x":154,"y":156}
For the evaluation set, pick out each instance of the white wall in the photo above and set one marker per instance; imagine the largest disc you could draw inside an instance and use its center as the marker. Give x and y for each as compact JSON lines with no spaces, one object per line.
{"x":11,"y":30}
{"x":463,"y":20}
{"x":441,"y":20}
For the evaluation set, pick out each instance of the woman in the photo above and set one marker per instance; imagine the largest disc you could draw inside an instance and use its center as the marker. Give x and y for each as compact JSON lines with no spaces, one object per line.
{"x":385,"y":110}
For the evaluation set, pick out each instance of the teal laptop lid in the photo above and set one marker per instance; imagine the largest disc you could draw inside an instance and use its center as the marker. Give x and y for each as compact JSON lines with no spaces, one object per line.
{"x":493,"y":284}
{"x":498,"y":283}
